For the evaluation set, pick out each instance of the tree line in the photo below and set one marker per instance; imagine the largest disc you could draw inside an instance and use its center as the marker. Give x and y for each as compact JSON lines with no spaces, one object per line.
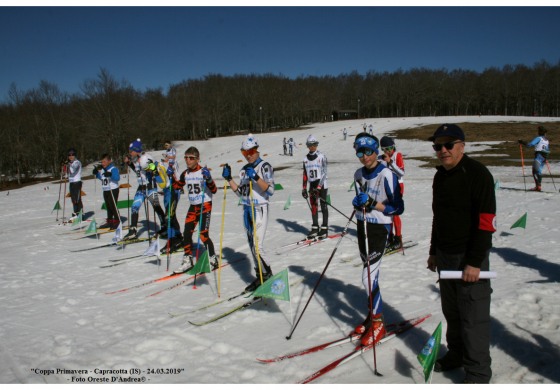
{"x":38,"y":126}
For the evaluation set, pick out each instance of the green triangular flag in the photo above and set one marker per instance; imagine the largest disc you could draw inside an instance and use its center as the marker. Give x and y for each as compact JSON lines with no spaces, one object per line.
{"x":497,"y":185}
{"x":288,"y":203}
{"x":351,"y":188}
{"x":328,"y":198}
{"x":277,"y":287}
{"x":92,"y":227}
{"x":521,"y":222}
{"x":56,"y":206}
{"x":202,"y":266}
{"x":78,"y":219}
{"x":278,"y":186}
{"x":429,"y":354}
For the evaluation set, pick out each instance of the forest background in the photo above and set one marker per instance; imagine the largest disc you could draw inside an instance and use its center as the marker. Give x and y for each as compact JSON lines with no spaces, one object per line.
{"x":38,"y":126}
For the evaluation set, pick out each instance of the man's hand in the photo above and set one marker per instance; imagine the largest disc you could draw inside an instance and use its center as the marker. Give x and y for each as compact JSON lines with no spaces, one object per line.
{"x":471,"y":274}
{"x":432,"y":263}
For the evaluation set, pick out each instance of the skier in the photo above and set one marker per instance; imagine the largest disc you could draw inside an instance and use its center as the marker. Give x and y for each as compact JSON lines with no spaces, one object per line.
{"x":315,"y":172}
{"x":157,"y":177}
{"x":74,"y":172}
{"x":170,"y":158}
{"x":195,"y":177}
{"x":285,"y":144}
{"x":109,"y":175}
{"x":380,"y":197}
{"x":345,"y":133}
{"x":258,"y":175}
{"x":144,"y":189}
{"x":541,"y":145}
{"x":291,"y":144}
{"x":395,"y":162}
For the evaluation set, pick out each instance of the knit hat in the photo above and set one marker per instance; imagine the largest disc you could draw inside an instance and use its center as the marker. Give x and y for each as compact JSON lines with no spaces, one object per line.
{"x":136,"y":146}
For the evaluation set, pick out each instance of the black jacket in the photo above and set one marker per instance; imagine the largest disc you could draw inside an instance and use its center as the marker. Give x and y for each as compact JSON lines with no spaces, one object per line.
{"x":464,"y":207}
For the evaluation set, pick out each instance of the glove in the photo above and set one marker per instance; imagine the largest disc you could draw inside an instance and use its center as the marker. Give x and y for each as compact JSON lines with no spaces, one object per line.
{"x":304,"y":193}
{"x":226,"y":172}
{"x":315,"y":192}
{"x":363,"y":200}
{"x":250,"y":172}
{"x":94,"y":171}
{"x":521,"y":142}
{"x":107,"y":174}
{"x":170,"y":170}
{"x":206,"y":175}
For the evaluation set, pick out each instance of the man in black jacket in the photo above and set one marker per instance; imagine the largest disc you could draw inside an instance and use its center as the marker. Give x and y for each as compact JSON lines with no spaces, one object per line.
{"x":464,"y":207}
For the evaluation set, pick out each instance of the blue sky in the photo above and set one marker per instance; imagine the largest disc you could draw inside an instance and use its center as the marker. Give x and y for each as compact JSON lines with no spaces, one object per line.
{"x":153,"y":47}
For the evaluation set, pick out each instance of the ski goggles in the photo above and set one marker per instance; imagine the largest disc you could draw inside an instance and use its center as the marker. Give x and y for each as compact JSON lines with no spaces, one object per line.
{"x":448,"y":145}
{"x":310,"y":144}
{"x":249,"y":153}
{"x":388,"y":148}
{"x":364,"y":152}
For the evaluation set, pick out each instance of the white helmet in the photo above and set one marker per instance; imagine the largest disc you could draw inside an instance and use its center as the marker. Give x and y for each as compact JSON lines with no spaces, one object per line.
{"x":145,"y":161}
{"x":311,"y":140}
{"x":250,"y":143}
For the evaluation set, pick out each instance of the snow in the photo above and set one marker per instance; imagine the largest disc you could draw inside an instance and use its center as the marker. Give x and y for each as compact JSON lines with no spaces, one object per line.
{"x":56,"y":313}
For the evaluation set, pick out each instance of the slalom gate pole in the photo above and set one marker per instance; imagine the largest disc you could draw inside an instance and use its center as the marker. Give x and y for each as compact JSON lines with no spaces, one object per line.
{"x":255,"y":238}
{"x":60,"y":189}
{"x":221,"y":239}
{"x":550,"y":173}
{"x":200,"y":228}
{"x":340,"y":212}
{"x":523,"y":166}
{"x":322,"y":275}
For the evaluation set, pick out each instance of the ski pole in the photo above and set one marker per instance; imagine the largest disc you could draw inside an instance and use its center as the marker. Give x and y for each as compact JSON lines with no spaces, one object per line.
{"x":255,"y":238}
{"x":522,"y":166}
{"x":59,"y":190}
{"x":221,"y":239}
{"x":64,"y":202}
{"x":368,"y":270}
{"x":370,"y":296}
{"x":200,"y":229}
{"x":550,"y":173}
{"x":322,"y":274}
{"x":168,"y":229}
{"x":340,"y":212}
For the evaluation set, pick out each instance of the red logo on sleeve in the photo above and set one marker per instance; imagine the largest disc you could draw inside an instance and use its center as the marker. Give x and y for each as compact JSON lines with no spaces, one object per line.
{"x":487,"y":222}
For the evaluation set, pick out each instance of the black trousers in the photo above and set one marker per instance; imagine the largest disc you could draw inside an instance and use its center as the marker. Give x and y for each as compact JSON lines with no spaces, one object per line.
{"x":466,"y":308}
{"x":111,"y":198}
{"x":76,"y":196}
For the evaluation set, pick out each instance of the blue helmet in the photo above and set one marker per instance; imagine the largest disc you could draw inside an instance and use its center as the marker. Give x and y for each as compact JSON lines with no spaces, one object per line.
{"x":366,"y":141}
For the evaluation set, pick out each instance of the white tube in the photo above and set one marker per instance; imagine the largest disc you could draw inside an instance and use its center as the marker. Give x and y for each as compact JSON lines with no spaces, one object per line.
{"x":459,"y":275}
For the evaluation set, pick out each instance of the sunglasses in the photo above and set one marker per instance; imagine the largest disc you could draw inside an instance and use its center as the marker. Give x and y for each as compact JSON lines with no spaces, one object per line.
{"x":448,"y":145}
{"x":388,"y":148}
{"x":248,"y":153}
{"x":71,"y":154}
{"x":191,"y":158}
{"x":364,"y":152}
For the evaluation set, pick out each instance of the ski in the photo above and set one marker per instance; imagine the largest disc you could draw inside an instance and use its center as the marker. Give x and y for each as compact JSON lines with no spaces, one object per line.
{"x":204,"y":307}
{"x":398,"y":328}
{"x":162,"y":279}
{"x":235,"y":308}
{"x":118,"y":243}
{"x":406,"y":245}
{"x":391,"y":328}
{"x":227,"y":312}
{"x":305,"y":243}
